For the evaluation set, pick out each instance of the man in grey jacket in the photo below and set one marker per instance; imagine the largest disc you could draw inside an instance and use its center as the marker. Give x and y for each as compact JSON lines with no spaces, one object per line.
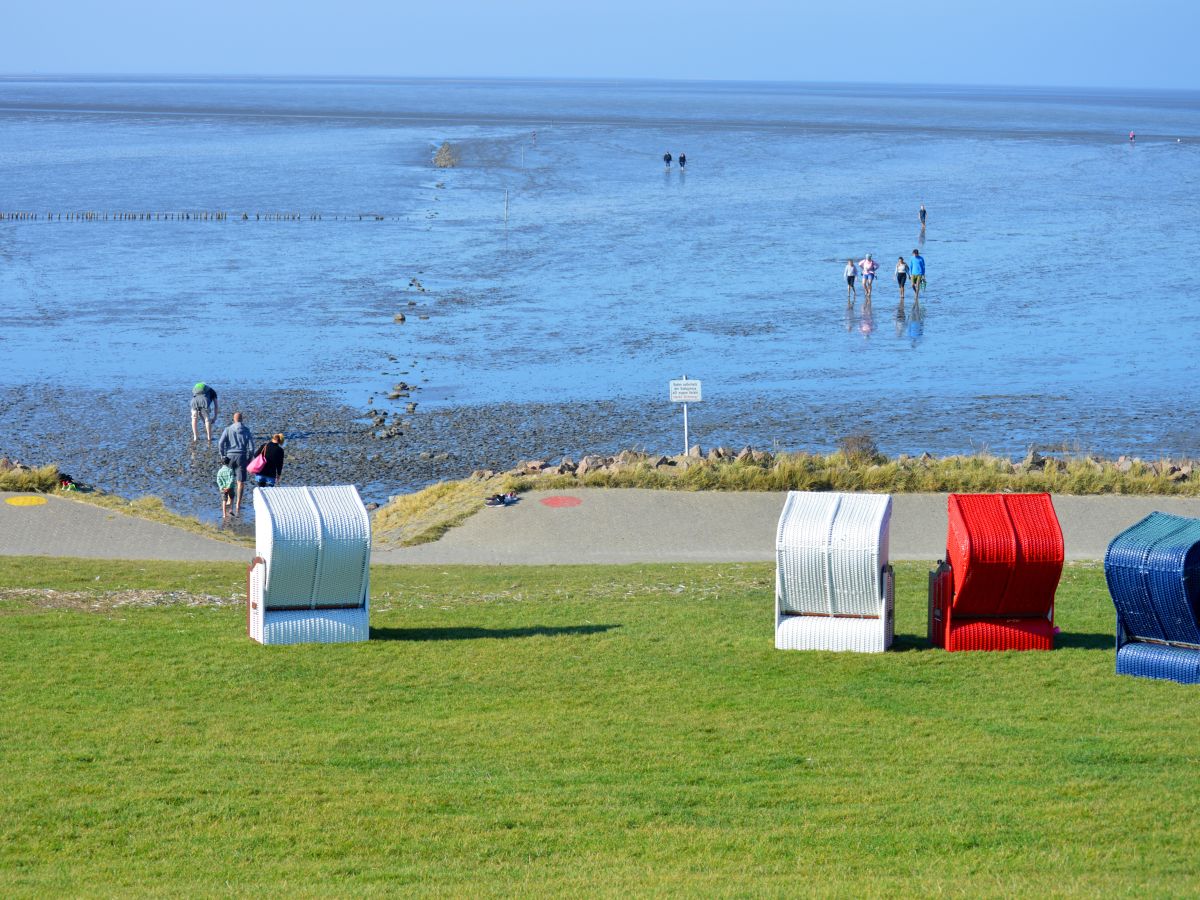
{"x":237,"y":445}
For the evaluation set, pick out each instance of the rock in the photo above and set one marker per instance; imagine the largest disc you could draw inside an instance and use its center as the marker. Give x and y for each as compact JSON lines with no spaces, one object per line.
{"x":695,"y":452}
{"x":446,"y":157}
{"x":441,"y":457}
{"x":1186,"y":469}
{"x":762,"y":457}
{"x":410,"y":407}
{"x":532,"y":466}
{"x":1033,"y":462}
{"x":396,"y":395}
{"x":566,"y":467}
{"x":412,"y":302}
{"x":425,"y":454}
{"x":482,"y":474}
{"x":423,"y":318}
{"x":371,"y":507}
{"x":1124,"y":464}
{"x":589,"y":464}
{"x":398,"y":318}
{"x":746,"y":454}
{"x":663,"y":462}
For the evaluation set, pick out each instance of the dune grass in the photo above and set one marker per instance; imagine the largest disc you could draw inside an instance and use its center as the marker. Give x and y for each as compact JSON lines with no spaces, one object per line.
{"x":591,"y":731}
{"x":863,"y":472}
{"x":427,"y":514}
{"x":41,"y":479}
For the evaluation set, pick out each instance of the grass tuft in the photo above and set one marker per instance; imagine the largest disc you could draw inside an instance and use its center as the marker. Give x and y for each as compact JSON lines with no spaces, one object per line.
{"x":426,"y":515}
{"x":41,"y":480}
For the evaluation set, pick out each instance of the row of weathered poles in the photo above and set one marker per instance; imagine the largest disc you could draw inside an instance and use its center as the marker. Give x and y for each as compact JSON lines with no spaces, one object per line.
{"x":202,"y":216}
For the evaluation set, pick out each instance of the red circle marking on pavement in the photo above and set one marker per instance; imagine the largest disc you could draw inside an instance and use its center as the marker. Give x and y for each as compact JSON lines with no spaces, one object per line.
{"x":560,"y":501}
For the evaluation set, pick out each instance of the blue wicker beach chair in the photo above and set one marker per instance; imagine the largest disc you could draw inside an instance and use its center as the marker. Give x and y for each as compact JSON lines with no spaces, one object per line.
{"x":1153,"y":574}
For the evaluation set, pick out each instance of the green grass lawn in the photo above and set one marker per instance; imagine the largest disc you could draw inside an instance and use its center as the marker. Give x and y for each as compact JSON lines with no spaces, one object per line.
{"x":574,"y":730}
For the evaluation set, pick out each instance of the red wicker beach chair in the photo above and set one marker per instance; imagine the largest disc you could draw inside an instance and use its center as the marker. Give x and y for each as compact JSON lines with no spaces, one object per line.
{"x":995,"y":590}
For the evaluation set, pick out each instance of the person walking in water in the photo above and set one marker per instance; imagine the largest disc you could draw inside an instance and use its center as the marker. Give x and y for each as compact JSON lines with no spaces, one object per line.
{"x":867,"y":267}
{"x":1132,"y":137}
{"x":851,"y":290}
{"x":204,"y":404}
{"x":237,"y":445}
{"x":682,"y":160}
{"x":901,"y":277}
{"x":667,"y":159}
{"x":922,"y":215}
{"x":916,"y":269}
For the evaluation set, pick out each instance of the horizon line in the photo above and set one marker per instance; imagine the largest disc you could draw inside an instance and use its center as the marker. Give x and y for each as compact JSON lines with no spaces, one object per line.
{"x":567,"y":79}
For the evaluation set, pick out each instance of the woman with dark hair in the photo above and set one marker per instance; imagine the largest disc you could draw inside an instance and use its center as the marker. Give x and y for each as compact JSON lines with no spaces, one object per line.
{"x":272,"y":471}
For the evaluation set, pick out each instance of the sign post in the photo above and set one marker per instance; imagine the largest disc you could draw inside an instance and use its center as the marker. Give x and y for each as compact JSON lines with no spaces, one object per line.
{"x":685,"y":390}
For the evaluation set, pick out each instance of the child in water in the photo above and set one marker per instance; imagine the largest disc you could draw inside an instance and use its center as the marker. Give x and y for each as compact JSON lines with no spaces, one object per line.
{"x":225,"y":485}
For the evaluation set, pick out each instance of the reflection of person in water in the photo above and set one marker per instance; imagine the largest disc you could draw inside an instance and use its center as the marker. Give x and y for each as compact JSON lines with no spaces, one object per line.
{"x":867,"y":325}
{"x":667,"y":158}
{"x":916,"y":322}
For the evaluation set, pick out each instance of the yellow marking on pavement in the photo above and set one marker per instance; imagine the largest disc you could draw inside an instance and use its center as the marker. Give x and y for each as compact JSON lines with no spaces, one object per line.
{"x":26,"y":501}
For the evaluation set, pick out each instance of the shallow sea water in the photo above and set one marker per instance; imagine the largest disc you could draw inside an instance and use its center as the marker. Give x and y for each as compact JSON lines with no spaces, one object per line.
{"x":1060,"y":308}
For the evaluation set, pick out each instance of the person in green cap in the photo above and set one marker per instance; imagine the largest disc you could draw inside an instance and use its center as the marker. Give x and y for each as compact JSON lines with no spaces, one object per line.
{"x":204,"y":405}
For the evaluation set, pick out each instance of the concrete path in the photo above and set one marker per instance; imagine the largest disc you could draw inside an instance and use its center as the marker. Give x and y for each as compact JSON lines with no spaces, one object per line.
{"x":61,"y":527}
{"x":589,"y":526}
{"x":632,"y":526}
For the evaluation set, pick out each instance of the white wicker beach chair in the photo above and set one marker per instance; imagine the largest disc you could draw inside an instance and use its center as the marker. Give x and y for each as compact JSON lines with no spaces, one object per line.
{"x":308,"y":582}
{"x":833,"y":586}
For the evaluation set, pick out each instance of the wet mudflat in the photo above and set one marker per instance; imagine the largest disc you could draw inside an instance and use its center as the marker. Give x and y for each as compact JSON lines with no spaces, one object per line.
{"x":136,"y":444}
{"x":1052,"y":315}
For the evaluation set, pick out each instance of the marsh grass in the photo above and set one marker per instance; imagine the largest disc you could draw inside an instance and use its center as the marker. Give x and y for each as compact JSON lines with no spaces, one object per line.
{"x":41,"y":480}
{"x":425,"y":515}
{"x":573,"y":730}
{"x":856,"y":471}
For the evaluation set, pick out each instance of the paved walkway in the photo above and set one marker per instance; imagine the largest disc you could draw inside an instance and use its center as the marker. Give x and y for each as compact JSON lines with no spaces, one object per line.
{"x":61,"y":527}
{"x":591,"y":526}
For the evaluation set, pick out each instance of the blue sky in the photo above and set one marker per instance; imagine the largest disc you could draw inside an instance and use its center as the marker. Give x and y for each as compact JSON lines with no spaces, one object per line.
{"x":1144,"y":43}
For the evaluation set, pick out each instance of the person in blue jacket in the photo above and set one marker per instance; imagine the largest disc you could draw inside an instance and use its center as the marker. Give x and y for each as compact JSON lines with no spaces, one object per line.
{"x":916,"y":274}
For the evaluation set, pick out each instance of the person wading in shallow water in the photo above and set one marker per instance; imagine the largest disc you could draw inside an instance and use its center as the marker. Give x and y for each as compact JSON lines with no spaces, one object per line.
{"x":667,"y":159}
{"x":237,"y":445}
{"x":272,"y":471}
{"x":916,"y":270}
{"x":204,"y":403}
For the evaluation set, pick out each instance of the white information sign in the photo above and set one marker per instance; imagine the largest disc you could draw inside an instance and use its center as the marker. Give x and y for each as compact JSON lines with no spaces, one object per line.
{"x":685,"y":390}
